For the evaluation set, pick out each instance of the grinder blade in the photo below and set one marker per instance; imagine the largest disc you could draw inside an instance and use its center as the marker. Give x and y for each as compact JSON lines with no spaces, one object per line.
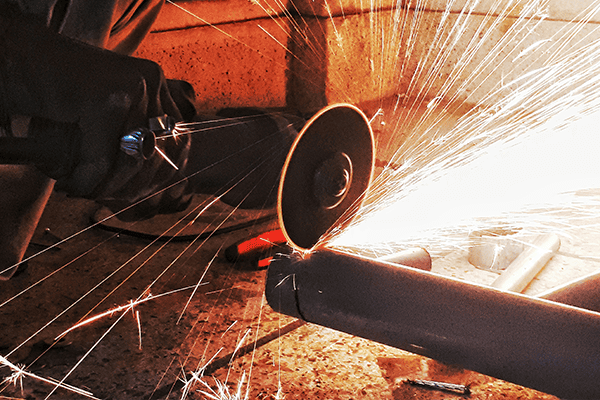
{"x":326,"y":174}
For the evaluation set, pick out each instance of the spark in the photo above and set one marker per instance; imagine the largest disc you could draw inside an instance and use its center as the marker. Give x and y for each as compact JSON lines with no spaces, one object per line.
{"x":531,"y":48}
{"x":197,"y":286}
{"x":228,"y":328}
{"x":90,"y":227}
{"x":196,"y":376}
{"x":507,"y":179}
{"x":377,"y":114}
{"x":17,"y":376}
{"x":190,"y":128}
{"x":545,"y":104}
{"x":434,"y":103}
{"x":279,"y":395}
{"x":283,"y":10}
{"x":19,"y":373}
{"x":166,"y":158}
{"x":222,"y":390}
{"x":240,"y":342}
{"x":156,"y":252}
{"x":260,"y":313}
{"x":139,"y":326}
{"x":285,"y":279}
{"x":275,"y":40}
{"x":111,"y":312}
{"x":125,"y":307}
{"x":206,"y":22}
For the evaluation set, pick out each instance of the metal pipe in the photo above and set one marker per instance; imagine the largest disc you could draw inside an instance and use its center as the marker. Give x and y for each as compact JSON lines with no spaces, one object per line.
{"x":532,"y":342}
{"x":519,"y":274}
{"x":416,"y":257}
{"x":582,"y":292}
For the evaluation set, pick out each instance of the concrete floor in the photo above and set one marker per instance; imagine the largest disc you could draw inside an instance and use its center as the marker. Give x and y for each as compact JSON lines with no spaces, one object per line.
{"x":97,"y":270}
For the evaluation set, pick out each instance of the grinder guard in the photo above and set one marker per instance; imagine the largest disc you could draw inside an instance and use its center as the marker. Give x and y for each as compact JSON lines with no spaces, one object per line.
{"x":326,"y":174}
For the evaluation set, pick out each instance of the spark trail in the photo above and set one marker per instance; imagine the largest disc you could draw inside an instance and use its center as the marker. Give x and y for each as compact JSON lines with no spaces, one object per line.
{"x":480,"y":100}
{"x":515,"y":159}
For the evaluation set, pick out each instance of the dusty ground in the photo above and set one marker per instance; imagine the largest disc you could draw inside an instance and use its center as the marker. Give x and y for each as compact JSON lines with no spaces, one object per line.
{"x":116,"y":357}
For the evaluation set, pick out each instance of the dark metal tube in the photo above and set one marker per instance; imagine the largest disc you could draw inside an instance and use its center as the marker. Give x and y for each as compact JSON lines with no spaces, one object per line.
{"x":416,"y":257}
{"x":532,"y":342}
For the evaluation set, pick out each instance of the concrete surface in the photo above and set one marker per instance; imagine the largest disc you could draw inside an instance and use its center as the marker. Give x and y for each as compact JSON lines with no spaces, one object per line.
{"x":194,"y":13}
{"x":232,"y":65}
{"x":343,"y":60}
{"x":239,"y":53}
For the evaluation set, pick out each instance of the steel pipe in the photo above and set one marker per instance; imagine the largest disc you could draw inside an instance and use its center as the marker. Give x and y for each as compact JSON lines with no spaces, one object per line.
{"x":532,"y":342}
{"x":519,"y":274}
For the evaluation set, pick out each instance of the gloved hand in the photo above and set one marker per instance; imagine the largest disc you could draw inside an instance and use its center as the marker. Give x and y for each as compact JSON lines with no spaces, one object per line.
{"x":47,"y":75}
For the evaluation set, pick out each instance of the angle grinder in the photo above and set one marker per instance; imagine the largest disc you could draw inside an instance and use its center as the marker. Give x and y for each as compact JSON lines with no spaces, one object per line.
{"x":326,"y":175}
{"x":323,"y":181}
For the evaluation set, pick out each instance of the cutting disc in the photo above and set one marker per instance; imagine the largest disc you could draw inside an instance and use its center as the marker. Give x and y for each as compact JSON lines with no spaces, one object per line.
{"x":326,"y":174}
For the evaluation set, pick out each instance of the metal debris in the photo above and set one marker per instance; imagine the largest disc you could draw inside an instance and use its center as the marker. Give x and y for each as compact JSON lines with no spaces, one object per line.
{"x":446,"y":387}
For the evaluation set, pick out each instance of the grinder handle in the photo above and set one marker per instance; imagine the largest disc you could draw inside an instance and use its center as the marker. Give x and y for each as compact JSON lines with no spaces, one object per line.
{"x":16,"y":150}
{"x":56,"y":155}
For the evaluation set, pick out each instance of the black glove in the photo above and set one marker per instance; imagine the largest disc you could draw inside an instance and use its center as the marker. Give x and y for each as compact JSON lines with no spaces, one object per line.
{"x":103,"y":95}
